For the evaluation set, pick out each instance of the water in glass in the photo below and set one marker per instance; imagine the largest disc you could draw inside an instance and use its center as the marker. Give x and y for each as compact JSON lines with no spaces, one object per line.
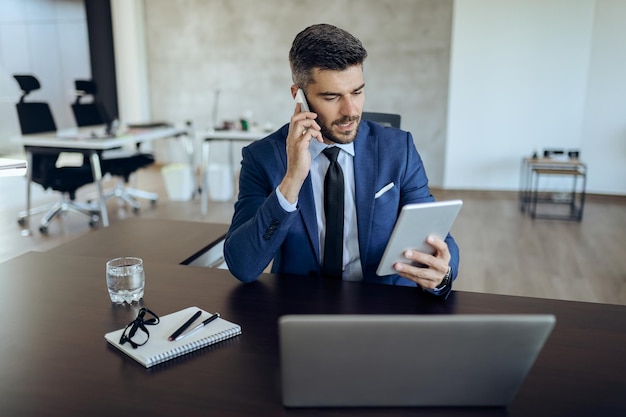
{"x":125,"y":279}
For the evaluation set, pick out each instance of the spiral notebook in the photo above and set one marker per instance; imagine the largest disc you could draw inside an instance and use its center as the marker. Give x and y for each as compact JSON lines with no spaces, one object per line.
{"x":159,"y":349}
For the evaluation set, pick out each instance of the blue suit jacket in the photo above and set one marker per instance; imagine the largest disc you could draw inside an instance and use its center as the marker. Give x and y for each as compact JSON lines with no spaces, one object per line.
{"x":261,"y":230}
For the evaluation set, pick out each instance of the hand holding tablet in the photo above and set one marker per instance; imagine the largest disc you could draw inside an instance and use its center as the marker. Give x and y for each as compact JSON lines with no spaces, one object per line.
{"x":415,"y":223}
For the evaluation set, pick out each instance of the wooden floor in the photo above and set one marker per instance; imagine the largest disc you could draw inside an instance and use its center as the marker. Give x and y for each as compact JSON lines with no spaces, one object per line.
{"x":503,"y":251}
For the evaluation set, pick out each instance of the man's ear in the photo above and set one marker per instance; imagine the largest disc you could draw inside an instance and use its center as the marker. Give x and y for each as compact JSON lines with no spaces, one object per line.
{"x":294,"y":90}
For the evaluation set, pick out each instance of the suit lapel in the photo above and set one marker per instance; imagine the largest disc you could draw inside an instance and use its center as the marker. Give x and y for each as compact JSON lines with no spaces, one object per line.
{"x":365,"y":173}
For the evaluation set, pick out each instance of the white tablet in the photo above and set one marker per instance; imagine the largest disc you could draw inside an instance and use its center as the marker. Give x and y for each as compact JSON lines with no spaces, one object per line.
{"x":415,"y":223}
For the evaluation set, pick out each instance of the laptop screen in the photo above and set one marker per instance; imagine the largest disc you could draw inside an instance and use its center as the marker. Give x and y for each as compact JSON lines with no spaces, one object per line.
{"x":408,"y":360}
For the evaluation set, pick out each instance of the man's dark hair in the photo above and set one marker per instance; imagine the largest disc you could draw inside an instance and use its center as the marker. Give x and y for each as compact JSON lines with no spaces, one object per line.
{"x":326,"y":47}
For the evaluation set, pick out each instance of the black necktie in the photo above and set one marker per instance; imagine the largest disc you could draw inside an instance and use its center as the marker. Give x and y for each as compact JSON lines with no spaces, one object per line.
{"x":333,"y":209}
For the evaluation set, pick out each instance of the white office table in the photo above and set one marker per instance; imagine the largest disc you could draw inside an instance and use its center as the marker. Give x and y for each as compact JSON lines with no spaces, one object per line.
{"x":83,"y":141}
{"x":12,"y":167}
{"x":222,"y":135}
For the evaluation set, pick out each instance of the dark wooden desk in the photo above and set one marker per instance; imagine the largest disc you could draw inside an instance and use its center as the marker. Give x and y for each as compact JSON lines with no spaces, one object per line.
{"x":169,"y":241}
{"x":54,"y":360}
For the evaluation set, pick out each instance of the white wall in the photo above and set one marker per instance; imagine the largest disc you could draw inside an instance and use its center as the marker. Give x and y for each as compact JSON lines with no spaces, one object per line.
{"x":604,"y":129}
{"x":46,"y":38}
{"x":518,"y":78}
{"x":535,"y":74}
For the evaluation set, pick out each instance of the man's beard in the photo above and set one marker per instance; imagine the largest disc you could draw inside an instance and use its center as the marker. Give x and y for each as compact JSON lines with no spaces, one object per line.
{"x":328,"y":133}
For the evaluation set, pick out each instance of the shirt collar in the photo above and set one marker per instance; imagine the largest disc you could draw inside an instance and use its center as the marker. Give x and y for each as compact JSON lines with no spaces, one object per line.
{"x":316,"y":148}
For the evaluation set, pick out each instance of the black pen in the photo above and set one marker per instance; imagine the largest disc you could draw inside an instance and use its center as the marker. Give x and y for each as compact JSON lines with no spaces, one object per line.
{"x":184,"y":326}
{"x":199,"y":326}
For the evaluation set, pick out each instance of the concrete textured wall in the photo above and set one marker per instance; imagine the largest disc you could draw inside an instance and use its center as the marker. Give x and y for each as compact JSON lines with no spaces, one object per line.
{"x":239,"y":48}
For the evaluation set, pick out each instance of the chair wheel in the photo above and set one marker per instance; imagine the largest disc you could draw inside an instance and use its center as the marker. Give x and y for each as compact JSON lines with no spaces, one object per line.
{"x":21,"y":222}
{"x":94,"y":222}
{"x":136,"y":210}
{"x":43,"y":230}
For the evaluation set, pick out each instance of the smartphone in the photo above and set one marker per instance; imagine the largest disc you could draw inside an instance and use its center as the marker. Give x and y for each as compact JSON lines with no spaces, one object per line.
{"x":300,"y":98}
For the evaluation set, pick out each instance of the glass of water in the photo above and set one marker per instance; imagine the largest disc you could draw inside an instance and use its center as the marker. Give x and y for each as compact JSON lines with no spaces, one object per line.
{"x":125,"y":279}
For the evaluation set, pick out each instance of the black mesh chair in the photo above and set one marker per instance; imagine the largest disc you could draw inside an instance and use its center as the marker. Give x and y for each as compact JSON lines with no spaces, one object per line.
{"x":385,"y":119}
{"x":36,"y":117}
{"x":120,"y":163}
{"x":90,"y":112}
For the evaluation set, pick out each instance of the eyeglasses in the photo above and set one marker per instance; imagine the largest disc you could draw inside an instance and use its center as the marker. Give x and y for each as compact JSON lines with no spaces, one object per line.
{"x":130,"y":334}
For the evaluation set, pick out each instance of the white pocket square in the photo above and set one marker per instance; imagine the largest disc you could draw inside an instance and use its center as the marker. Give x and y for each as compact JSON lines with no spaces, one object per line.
{"x":384,"y":190}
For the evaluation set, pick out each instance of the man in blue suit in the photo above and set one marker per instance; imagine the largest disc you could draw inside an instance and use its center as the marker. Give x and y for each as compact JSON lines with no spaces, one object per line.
{"x":279,"y":214}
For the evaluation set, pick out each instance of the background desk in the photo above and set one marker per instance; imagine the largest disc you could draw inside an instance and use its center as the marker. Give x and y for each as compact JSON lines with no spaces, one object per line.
{"x":12,"y":167}
{"x":92,"y":147}
{"x":222,"y":135}
{"x":54,"y":360}
{"x":533,"y":169}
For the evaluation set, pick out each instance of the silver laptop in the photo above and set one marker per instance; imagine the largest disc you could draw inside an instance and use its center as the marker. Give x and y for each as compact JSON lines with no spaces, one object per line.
{"x":407,"y":360}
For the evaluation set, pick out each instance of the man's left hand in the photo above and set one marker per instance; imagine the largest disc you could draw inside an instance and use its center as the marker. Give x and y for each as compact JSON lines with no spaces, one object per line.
{"x":434,"y":267}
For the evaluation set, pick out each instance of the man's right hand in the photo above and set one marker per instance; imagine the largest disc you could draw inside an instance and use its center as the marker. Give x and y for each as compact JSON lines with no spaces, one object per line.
{"x":302,"y":129}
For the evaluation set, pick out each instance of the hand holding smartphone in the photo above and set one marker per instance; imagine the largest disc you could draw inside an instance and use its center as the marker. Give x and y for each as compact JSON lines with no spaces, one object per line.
{"x":298,"y":156}
{"x":304,"y":107}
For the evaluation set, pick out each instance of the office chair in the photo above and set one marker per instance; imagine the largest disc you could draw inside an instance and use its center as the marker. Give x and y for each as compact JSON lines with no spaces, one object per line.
{"x":385,"y":119}
{"x":119,"y":163}
{"x":36,"y":117}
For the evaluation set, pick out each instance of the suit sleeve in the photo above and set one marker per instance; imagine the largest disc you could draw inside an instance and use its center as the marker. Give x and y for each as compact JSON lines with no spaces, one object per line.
{"x":416,"y":190}
{"x":259,"y":223}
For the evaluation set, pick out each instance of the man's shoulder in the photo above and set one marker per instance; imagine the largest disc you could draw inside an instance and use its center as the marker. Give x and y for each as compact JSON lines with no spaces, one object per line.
{"x":376,"y":129}
{"x":376,"y":135}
